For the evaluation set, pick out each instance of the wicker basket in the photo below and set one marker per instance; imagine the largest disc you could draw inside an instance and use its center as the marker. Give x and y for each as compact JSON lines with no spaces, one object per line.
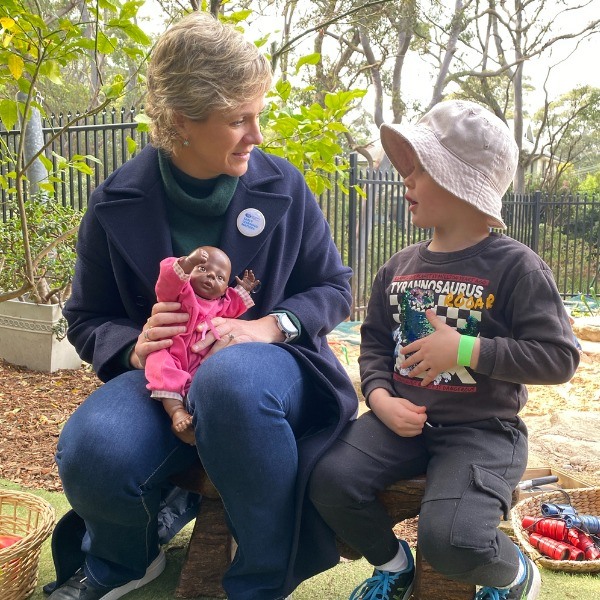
{"x":31,"y":517}
{"x":584,"y":500}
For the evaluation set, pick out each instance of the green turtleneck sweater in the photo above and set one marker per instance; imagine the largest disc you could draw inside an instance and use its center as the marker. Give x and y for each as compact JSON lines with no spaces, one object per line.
{"x":196,"y":207}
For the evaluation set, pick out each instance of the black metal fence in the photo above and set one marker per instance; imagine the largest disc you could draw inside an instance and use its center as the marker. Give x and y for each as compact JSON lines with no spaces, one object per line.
{"x":367,"y":226}
{"x":564,"y":230}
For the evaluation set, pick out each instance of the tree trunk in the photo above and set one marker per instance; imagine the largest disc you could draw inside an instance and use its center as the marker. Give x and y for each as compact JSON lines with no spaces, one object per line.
{"x":33,"y":141}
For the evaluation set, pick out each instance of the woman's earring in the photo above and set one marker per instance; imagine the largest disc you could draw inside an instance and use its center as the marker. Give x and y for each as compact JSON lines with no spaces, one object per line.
{"x":186,"y":143}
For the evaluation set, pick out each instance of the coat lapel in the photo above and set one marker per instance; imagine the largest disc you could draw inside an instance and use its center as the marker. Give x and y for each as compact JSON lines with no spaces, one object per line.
{"x":240,"y":247}
{"x":134,"y":217}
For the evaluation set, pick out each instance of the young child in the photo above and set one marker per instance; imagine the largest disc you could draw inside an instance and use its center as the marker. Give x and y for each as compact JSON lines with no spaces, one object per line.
{"x":199,"y":282}
{"x":456,"y":326}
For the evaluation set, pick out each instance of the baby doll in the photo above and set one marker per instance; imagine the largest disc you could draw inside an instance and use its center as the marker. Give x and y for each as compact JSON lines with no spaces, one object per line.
{"x":199,"y":282}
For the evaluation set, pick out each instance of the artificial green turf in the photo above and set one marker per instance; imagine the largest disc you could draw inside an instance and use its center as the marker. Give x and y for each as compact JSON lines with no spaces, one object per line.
{"x":335,"y":584}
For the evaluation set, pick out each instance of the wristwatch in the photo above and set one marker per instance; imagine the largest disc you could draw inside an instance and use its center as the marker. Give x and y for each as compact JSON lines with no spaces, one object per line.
{"x":286,"y":326}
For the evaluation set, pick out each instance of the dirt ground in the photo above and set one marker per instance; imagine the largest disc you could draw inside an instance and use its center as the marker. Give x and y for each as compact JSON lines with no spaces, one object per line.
{"x":563,"y":420}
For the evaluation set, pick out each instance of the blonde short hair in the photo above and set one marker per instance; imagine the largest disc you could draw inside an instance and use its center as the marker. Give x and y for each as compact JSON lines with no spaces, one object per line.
{"x":198,"y":66}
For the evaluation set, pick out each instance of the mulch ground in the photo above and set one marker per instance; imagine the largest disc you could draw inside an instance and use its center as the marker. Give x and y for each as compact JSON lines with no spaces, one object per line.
{"x":33,"y":408}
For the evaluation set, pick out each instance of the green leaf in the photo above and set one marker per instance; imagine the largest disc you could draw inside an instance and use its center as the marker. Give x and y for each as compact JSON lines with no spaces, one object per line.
{"x":92,"y":158}
{"x":114,"y":89}
{"x":8,"y":113}
{"x":284,"y":88}
{"x":142,"y":119}
{"x":309,"y":59}
{"x":8,"y":23}
{"x":51,"y":70}
{"x":238,"y":16}
{"x":130,"y":9}
{"x":107,"y":5}
{"x":46,"y":162}
{"x":83,"y":168}
{"x":106,"y":45}
{"x":337,"y":126}
{"x":131,"y":30}
{"x":47,"y":187}
{"x":131,"y":144}
{"x":133,"y":52}
{"x":260,"y":42}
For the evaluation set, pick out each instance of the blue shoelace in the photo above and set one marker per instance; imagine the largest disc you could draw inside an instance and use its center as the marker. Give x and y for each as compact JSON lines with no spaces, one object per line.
{"x":488,"y":593}
{"x":377,"y":587}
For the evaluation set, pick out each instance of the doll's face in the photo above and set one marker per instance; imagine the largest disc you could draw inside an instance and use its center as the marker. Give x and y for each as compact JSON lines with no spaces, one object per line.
{"x":210,"y":279}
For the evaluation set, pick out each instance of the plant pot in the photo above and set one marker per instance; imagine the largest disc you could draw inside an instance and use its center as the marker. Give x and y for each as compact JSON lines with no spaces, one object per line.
{"x":28,"y":337}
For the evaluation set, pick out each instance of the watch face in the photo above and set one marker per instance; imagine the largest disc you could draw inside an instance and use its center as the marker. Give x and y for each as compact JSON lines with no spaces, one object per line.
{"x":286,"y":325}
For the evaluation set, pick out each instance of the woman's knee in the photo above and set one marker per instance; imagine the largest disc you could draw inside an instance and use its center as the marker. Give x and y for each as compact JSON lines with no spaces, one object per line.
{"x":117,"y":436}
{"x":240,"y":380}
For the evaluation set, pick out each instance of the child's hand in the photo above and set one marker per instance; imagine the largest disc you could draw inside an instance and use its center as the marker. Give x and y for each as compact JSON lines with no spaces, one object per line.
{"x":249,"y":282}
{"x":399,"y":414}
{"x":434,"y":353}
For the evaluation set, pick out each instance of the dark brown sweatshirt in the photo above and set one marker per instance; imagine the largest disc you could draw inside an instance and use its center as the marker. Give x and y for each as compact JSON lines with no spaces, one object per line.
{"x":499,"y":290}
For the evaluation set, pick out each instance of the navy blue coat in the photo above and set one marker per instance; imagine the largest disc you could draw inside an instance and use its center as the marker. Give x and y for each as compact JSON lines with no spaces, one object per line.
{"x":123,"y":237}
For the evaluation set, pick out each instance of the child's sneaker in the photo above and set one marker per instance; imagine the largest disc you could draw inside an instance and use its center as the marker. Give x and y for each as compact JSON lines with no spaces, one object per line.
{"x":528,"y":589}
{"x":384,"y":585}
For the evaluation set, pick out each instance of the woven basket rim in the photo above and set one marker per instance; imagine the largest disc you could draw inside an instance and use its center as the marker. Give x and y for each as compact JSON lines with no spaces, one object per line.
{"x":34,"y":538}
{"x":575,"y":494}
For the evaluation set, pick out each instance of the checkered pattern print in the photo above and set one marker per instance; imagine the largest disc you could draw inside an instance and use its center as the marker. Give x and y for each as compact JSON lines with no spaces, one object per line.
{"x":455,"y":317}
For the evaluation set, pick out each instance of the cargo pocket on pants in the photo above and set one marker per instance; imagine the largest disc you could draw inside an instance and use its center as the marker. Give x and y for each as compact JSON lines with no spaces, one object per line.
{"x":480,"y":508}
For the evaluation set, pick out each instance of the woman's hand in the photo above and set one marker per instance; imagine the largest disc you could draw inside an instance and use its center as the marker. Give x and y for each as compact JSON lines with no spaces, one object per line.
{"x":238,"y":331}
{"x":164,"y":323}
{"x":398,"y":414}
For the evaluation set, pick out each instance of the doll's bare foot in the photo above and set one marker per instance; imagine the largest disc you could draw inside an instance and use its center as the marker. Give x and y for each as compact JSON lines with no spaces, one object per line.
{"x":181,"y":421}
{"x":187,"y":435}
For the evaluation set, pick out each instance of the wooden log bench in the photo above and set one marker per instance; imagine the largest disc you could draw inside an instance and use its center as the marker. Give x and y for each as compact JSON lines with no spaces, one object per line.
{"x":210,"y":548}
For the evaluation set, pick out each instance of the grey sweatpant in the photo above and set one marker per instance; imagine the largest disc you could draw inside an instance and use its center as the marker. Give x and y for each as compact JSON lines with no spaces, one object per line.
{"x":471,"y":472}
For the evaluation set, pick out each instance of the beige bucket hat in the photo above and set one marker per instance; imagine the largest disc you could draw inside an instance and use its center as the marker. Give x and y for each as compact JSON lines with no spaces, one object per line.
{"x":464,"y":147}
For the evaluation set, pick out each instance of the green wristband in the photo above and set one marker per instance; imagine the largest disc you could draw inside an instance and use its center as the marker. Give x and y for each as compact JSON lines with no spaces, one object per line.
{"x":465,"y":350}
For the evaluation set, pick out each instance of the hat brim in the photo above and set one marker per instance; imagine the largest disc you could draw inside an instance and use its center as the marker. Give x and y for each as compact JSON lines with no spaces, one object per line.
{"x":446,"y":169}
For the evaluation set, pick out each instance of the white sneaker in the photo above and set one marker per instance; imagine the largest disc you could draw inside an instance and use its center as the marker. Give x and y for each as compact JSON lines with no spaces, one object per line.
{"x":157,"y":566}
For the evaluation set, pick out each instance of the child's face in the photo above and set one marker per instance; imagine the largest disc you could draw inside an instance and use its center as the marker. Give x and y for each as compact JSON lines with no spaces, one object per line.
{"x":209,"y":280}
{"x":430,"y":205}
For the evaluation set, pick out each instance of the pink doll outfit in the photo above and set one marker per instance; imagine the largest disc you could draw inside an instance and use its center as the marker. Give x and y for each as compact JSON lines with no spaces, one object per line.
{"x":169,"y":371}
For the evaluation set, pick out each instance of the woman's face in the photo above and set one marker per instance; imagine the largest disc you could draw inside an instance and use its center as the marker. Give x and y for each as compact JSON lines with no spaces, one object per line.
{"x":220,"y":144}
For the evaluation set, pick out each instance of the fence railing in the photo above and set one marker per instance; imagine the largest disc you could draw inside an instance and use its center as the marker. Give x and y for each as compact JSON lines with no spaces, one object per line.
{"x":564,"y":230}
{"x":367,"y":227}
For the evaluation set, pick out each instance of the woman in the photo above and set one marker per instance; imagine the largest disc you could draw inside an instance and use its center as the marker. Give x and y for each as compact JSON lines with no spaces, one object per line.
{"x":269,"y":398}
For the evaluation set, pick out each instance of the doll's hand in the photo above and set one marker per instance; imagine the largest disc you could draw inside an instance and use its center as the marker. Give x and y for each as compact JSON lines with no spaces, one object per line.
{"x":249,"y":282}
{"x":238,"y":331}
{"x":398,"y":414}
{"x":198,"y":257}
{"x":434,"y":353}
{"x":164,"y":323}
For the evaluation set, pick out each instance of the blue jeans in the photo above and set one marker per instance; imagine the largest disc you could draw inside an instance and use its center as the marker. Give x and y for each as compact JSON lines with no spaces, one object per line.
{"x":115,"y":454}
